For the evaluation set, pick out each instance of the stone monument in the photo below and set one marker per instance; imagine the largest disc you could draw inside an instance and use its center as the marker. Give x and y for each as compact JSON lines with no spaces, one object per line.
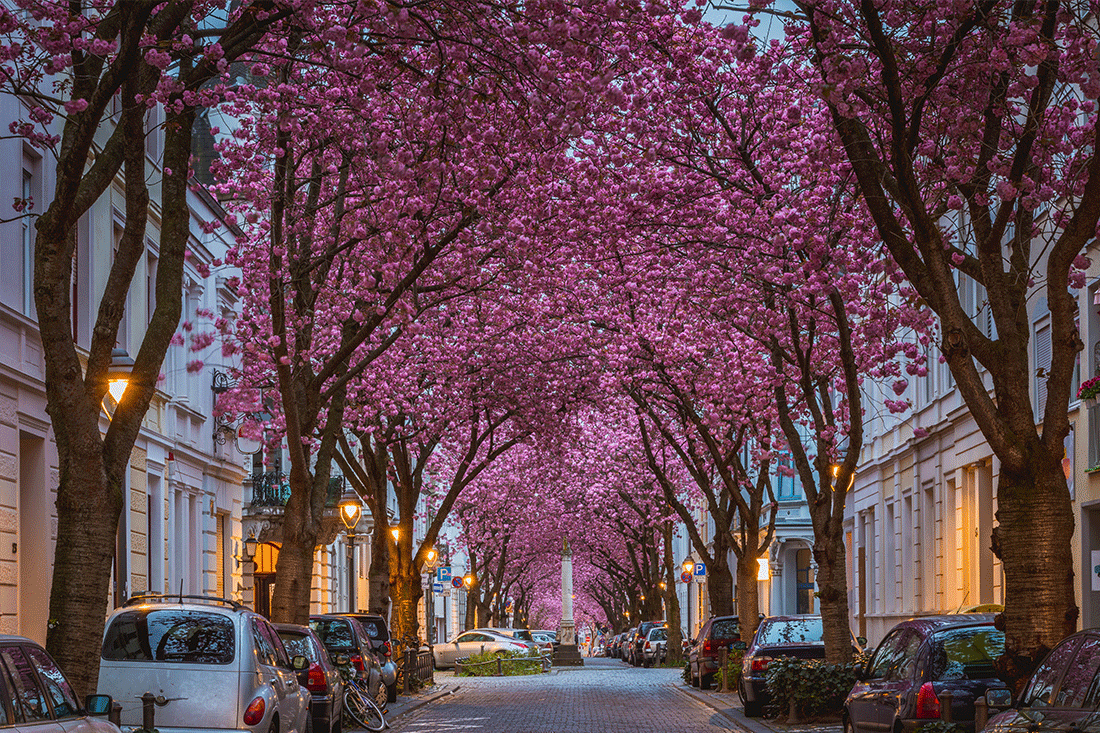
{"x":567,"y":654}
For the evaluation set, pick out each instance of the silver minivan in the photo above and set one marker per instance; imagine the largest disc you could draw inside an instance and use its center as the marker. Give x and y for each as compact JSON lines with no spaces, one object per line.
{"x":211,"y":663}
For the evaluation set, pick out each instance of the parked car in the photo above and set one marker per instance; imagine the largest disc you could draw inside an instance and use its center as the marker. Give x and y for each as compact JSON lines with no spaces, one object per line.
{"x":343,"y":636}
{"x":477,"y":641}
{"x":628,"y":644}
{"x":551,"y":633}
{"x":703,"y":654}
{"x":1063,"y":693}
{"x":38,"y":693}
{"x":217,"y":664}
{"x":636,"y":655}
{"x":917,"y":661}
{"x":654,"y":648}
{"x":545,"y":642}
{"x":778,"y":636}
{"x":321,"y":678}
{"x":378,"y":631}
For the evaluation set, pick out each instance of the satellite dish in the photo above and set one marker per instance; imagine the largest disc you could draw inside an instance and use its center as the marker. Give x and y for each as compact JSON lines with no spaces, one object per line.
{"x":245,"y":444}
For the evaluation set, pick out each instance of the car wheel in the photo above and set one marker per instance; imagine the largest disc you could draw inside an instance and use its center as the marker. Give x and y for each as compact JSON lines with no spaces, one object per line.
{"x":694,"y":678}
{"x":705,"y":681}
{"x":752,"y":709}
{"x":309,"y":722}
{"x":647,"y":663}
{"x":391,"y":692}
{"x":274,"y":727}
{"x":847,"y":723}
{"x":381,"y":697}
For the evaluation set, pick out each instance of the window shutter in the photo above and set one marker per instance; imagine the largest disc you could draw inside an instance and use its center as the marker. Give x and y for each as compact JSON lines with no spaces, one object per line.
{"x":1042,"y":365}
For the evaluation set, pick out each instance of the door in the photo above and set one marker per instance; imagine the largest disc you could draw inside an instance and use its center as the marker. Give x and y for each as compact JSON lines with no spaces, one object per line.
{"x":276,"y":671}
{"x":869,"y":702}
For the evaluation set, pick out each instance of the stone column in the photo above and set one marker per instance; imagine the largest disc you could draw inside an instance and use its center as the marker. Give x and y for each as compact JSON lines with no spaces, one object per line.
{"x":567,"y":653}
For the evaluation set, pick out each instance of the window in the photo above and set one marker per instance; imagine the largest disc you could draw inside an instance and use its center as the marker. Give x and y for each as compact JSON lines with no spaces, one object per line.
{"x":966,"y":653}
{"x":30,"y":704}
{"x":335,"y":634}
{"x":28,"y":244}
{"x":276,"y":643}
{"x":1039,"y":692}
{"x":60,"y":692}
{"x":729,"y":628}
{"x":196,"y":637}
{"x":265,"y":650}
{"x":298,"y":645}
{"x":890,"y":657}
{"x":1080,"y":684}
{"x":1042,"y":365}
{"x":800,"y":631}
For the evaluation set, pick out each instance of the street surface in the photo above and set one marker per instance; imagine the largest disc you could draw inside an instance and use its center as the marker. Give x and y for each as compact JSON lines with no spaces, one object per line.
{"x":605,"y":696}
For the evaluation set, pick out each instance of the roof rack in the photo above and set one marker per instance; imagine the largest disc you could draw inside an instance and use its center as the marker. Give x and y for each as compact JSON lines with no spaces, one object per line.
{"x":180,"y":598}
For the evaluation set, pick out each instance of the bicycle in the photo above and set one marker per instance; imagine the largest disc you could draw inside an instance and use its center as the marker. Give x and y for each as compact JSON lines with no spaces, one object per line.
{"x":359,"y":707}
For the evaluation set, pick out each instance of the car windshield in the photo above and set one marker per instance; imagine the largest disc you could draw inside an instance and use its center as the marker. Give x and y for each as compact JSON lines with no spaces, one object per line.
{"x":335,"y":633}
{"x":727,"y":628}
{"x":966,"y":653}
{"x":298,"y":644}
{"x":372,"y":627}
{"x":658,"y":635}
{"x":523,"y":634}
{"x":790,"y":631}
{"x":196,"y":637}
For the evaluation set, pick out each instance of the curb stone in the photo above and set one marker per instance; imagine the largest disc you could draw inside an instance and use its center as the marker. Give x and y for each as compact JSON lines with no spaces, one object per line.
{"x":403,"y":707}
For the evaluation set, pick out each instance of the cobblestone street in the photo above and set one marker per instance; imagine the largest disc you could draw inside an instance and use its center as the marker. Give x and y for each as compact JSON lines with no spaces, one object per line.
{"x":605,"y":696}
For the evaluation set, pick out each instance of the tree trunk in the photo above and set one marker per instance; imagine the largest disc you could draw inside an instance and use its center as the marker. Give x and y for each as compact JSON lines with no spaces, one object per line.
{"x":720,"y":583}
{"x":378,"y":577}
{"x":1035,"y":526}
{"x":294,"y":568}
{"x":88,"y":513}
{"x":406,"y":592}
{"x":748,"y":598}
{"x":832,"y":586}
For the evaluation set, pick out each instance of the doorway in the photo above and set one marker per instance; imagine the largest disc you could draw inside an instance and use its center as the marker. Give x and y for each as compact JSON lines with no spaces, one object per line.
{"x":263,"y":577}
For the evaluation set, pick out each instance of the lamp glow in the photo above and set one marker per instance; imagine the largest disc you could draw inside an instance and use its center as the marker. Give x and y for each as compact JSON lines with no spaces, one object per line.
{"x":763,"y":571}
{"x":117,"y":387}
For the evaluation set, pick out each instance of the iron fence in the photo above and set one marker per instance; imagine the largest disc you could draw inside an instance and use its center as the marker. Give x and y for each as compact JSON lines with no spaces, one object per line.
{"x":273,"y":489}
{"x":419,"y":665}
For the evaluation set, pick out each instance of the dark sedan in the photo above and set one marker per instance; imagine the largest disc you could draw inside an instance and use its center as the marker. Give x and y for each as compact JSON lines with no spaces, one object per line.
{"x":1063,"y":693}
{"x":917,"y":661}
{"x":321,"y":678}
{"x":800,"y":637}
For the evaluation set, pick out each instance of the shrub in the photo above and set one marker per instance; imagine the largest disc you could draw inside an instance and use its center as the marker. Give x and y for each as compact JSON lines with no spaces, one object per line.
{"x":808,"y":687}
{"x":941,"y":726}
{"x":512,"y":664}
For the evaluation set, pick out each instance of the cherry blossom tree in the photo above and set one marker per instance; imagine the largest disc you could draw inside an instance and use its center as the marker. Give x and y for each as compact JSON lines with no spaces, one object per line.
{"x":972,"y":131}
{"x":87,"y":74}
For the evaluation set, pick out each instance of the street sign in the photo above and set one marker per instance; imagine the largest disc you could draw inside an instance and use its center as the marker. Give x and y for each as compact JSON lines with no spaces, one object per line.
{"x":456,"y":582}
{"x":685,"y":577}
{"x":443,"y":574}
{"x":700,"y":570}
{"x":438,"y":588}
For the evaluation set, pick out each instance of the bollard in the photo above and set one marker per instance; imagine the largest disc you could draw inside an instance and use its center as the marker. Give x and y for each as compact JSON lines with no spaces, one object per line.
{"x":500,"y":667}
{"x":115,"y":715}
{"x":147,"y":712}
{"x":981,"y":714}
{"x":458,"y":668}
{"x":945,"y":705}
{"x":405,"y":665}
{"x":723,"y":657}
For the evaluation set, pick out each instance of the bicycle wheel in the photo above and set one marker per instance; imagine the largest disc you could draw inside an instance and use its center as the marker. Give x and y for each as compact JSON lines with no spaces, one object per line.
{"x":361,"y":710}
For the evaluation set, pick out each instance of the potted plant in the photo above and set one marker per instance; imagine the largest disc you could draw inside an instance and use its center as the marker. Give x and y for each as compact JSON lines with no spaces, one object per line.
{"x":1089,"y":389}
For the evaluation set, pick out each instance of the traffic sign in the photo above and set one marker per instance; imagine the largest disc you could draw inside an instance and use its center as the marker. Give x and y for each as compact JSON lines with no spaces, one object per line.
{"x":701,"y":569}
{"x":438,"y":588}
{"x":456,"y":582}
{"x":443,"y":574}
{"x":685,"y":577}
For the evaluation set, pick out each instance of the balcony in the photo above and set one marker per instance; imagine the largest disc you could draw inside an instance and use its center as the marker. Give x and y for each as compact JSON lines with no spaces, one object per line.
{"x":263,"y":515}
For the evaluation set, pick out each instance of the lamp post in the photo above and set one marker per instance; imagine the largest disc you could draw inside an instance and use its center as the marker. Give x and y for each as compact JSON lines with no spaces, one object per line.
{"x":689,"y":567}
{"x":351,"y":510}
{"x":431,"y":560}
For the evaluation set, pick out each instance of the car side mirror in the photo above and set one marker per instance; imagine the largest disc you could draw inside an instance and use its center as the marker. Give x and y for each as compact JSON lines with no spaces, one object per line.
{"x":340,"y":660}
{"x":862,"y":641}
{"x":998,"y":697}
{"x":739,"y":645}
{"x":98,"y":704}
{"x":299,"y":662}
{"x":861,"y":673}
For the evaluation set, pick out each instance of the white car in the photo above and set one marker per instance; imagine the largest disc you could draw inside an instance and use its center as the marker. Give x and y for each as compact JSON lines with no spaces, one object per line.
{"x":212,"y":664}
{"x":477,"y":641}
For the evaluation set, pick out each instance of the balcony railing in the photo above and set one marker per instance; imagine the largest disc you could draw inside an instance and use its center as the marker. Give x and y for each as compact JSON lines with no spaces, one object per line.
{"x":273,"y":489}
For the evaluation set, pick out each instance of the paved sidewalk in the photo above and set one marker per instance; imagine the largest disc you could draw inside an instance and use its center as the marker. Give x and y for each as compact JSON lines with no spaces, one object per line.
{"x":444,"y":686}
{"x":729,"y":705}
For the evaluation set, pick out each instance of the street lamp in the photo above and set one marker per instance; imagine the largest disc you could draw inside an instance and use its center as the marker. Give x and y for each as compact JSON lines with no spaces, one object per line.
{"x":350,"y":507}
{"x":250,"y":546}
{"x":396,"y":532}
{"x":431,"y":560}
{"x":689,"y":567}
{"x":118,"y":377}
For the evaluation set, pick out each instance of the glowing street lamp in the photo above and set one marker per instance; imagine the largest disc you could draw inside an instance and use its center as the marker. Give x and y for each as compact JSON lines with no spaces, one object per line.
{"x":350,"y":507}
